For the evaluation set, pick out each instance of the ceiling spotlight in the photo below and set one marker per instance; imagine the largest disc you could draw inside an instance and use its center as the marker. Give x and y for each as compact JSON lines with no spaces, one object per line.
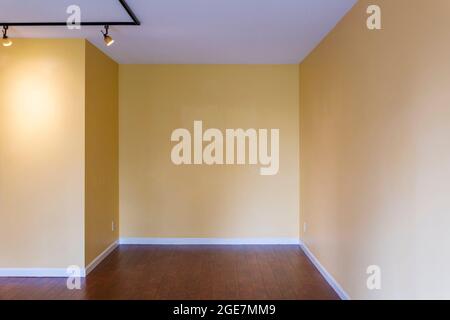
{"x":6,"y":41}
{"x":106,"y":37}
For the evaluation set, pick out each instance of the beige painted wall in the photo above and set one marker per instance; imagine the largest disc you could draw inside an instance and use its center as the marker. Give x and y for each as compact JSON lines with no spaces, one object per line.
{"x":375,"y":150}
{"x":160,"y":199}
{"x":42,"y":154}
{"x":102,"y":153}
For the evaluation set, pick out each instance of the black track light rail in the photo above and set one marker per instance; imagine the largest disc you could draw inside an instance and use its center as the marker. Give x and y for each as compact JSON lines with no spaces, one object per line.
{"x":135,"y":21}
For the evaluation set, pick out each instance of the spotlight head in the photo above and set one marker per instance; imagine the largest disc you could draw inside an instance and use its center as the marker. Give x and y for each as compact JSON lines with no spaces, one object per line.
{"x":106,"y":37}
{"x":5,"y":40}
{"x":108,"y":40}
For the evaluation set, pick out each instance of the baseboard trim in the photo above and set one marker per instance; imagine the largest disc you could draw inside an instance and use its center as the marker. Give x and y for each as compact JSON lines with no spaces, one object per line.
{"x":91,"y":266}
{"x":55,"y":272}
{"x":328,"y":277}
{"x":33,"y":272}
{"x":210,"y":241}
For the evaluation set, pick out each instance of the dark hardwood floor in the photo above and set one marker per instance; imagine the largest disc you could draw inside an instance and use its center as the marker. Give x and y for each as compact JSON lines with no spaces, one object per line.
{"x":187,"y":272}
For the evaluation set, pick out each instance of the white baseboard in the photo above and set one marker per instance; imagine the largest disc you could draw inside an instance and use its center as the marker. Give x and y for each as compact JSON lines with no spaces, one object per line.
{"x":91,"y":266}
{"x":33,"y":272}
{"x":328,"y":277}
{"x":54,"y":272}
{"x":210,"y":241}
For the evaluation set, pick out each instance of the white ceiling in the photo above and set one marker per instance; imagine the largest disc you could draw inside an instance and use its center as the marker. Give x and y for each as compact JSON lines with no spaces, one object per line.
{"x":191,"y":31}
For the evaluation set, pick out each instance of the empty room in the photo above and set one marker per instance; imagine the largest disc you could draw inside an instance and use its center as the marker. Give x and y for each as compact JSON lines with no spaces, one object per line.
{"x":225,"y":150}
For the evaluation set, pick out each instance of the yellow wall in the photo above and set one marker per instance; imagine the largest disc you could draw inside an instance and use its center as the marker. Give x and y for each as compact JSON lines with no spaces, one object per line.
{"x":58,"y":153}
{"x":42,"y":154}
{"x":375,"y":150}
{"x":102,"y":165}
{"x":160,"y":199}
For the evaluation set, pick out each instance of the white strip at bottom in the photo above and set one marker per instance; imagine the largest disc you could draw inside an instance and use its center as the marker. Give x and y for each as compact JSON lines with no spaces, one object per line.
{"x":210,"y":241}
{"x":328,"y":277}
{"x":55,"y":272}
{"x":91,"y":266}
{"x":33,"y":272}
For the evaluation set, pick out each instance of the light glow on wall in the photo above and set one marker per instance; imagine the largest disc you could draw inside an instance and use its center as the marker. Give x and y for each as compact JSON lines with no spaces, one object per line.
{"x":31,"y":101}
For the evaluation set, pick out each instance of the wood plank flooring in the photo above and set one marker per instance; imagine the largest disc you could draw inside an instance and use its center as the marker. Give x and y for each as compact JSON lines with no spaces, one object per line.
{"x":187,"y":273}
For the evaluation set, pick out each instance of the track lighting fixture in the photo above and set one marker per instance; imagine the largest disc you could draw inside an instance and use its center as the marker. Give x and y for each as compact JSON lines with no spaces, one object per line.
{"x":6,"y":41}
{"x":106,"y":37}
